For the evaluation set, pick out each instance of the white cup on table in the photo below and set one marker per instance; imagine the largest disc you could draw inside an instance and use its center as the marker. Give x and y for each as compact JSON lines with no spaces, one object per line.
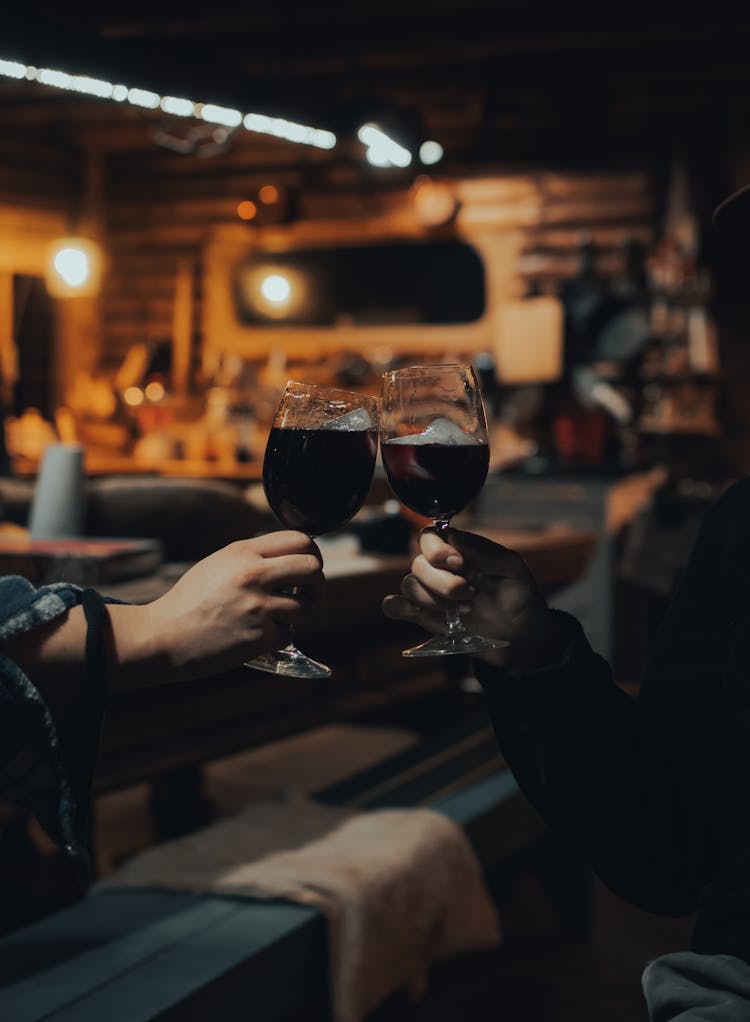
{"x":57,"y":508}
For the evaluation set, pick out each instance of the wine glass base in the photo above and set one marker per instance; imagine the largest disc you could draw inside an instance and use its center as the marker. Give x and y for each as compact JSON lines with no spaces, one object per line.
{"x":290,"y":663}
{"x":450,"y":645}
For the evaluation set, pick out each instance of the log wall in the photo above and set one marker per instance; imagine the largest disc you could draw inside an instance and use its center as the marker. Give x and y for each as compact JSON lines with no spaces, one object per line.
{"x":163,"y":209}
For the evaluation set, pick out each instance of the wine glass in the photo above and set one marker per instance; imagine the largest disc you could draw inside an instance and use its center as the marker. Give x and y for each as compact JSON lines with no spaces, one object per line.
{"x":317,"y":470}
{"x":433,"y":442}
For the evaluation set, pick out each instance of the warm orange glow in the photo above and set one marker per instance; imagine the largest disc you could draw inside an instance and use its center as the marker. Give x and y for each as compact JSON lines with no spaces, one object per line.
{"x":275,"y":291}
{"x":133,"y":396}
{"x":268,"y":194}
{"x":247,"y":210}
{"x":74,"y":267}
{"x":155,"y":391}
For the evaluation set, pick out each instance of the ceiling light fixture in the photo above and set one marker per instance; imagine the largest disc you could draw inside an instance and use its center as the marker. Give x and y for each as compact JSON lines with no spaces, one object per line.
{"x":304,"y":134}
{"x":381,"y":150}
{"x":74,"y":268}
{"x":431,"y":152}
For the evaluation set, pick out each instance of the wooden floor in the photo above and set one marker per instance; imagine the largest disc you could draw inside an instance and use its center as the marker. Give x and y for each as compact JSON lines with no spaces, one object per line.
{"x":536,"y":975}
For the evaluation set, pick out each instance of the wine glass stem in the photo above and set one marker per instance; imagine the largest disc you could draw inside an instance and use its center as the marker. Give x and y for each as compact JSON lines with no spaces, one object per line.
{"x":454,"y":624}
{"x":291,"y":645}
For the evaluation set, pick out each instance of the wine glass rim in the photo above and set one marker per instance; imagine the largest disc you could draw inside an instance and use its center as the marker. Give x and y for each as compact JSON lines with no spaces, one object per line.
{"x":441,"y":367}
{"x":334,"y":392}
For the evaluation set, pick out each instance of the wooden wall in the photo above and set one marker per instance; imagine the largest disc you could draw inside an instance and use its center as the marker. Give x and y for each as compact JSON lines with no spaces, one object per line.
{"x":39,"y":194}
{"x":163,"y":208}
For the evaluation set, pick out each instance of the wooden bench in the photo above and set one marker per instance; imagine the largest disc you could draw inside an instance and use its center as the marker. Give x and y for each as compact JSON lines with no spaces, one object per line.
{"x":138,"y":956}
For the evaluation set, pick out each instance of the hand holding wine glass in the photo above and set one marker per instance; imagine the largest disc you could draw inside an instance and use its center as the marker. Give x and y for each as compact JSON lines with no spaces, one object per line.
{"x":317,"y":470}
{"x":505,"y":600}
{"x":433,"y":434}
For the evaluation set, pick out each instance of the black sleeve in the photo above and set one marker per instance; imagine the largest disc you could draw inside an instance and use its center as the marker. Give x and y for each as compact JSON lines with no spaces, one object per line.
{"x":80,"y":724}
{"x":653,"y":792}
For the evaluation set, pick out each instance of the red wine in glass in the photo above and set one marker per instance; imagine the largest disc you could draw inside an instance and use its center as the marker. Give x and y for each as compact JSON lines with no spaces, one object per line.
{"x":435,"y":480}
{"x":317,"y":479}
{"x":317,"y":470}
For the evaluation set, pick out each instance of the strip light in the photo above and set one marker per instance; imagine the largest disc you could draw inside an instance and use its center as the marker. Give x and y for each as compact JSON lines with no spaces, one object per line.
{"x":381,"y":149}
{"x":279,"y":127}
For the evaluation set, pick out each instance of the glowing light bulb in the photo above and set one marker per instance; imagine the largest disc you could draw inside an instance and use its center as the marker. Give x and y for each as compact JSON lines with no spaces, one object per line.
{"x":72,"y":264}
{"x":178,"y":107}
{"x":221,"y":115}
{"x":12,"y":69}
{"x":381,"y":149}
{"x":227,"y":117}
{"x":431,"y":152}
{"x":276,"y":288}
{"x":144,"y":98}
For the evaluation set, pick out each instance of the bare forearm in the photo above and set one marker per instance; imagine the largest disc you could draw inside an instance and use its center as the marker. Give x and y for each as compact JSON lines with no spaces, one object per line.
{"x":53,"y":655}
{"x":210,"y":621}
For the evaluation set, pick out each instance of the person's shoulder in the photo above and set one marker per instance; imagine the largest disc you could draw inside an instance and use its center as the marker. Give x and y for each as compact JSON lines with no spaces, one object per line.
{"x":731,"y":502}
{"x":737,"y":491}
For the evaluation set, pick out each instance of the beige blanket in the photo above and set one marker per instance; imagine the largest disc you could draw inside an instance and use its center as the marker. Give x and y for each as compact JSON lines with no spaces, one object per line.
{"x":400,"y":888}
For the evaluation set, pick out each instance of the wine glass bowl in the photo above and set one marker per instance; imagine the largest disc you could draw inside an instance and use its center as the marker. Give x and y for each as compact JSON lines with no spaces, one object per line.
{"x":435,"y":450}
{"x":320,"y":457}
{"x":317,"y":471}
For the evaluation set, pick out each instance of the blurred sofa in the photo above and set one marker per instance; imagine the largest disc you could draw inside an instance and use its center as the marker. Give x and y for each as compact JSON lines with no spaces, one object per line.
{"x":191,"y":517}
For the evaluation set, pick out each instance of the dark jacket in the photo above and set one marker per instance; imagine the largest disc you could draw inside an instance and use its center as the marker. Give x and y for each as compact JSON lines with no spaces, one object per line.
{"x":655,"y":793}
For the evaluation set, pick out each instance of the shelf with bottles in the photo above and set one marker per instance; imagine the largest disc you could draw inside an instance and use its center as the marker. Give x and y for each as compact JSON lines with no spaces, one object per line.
{"x":699,"y":379}
{"x":679,"y":405}
{"x":683,"y":343}
{"x":650,"y":425}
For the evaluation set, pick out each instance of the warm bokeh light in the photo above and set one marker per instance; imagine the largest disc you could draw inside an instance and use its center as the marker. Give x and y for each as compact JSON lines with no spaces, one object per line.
{"x":246,"y":210}
{"x":382,"y":355}
{"x":133,"y":396}
{"x":273,"y":291}
{"x":434,"y":201}
{"x":268,"y":194}
{"x":276,"y":288}
{"x":155,"y":391}
{"x":73,"y":268}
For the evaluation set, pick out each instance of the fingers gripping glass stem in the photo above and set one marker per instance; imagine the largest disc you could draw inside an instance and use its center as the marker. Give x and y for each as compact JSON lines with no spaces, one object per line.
{"x":457,"y":639}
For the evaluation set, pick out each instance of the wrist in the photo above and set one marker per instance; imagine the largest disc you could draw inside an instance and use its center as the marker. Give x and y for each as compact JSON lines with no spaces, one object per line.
{"x":138,"y":647}
{"x":546,"y":644}
{"x":538,"y":642}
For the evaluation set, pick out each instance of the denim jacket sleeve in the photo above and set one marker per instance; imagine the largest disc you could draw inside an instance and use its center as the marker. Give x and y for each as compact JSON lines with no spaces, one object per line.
{"x":46,"y":757}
